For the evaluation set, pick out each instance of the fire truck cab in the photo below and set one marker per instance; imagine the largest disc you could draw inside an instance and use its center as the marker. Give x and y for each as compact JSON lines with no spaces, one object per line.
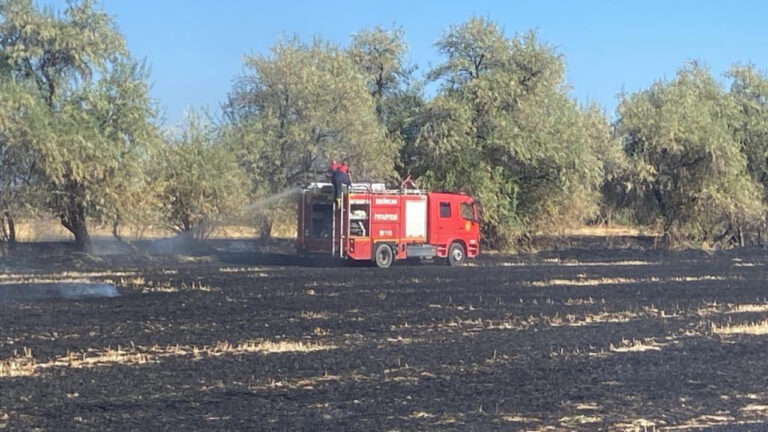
{"x":381,"y":225}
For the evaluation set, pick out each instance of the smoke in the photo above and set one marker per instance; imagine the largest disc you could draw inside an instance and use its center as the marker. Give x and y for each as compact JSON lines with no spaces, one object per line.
{"x":202,"y":230}
{"x":270,"y":199}
{"x":61,"y":290}
{"x":184,"y":243}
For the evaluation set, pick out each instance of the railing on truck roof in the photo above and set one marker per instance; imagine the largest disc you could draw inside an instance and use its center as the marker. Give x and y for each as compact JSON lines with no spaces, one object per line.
{"x":372,"y":188}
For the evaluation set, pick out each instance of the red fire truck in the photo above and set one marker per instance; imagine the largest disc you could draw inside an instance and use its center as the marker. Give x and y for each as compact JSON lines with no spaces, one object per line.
{"x":381,"y":225}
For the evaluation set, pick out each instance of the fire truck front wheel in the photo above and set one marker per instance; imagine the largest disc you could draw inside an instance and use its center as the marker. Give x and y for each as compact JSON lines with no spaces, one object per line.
{"x":383,"y":256}
{"x":456,"y":255}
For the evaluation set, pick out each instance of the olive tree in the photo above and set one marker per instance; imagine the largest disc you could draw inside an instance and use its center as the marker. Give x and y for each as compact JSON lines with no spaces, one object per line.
{"x":690,"y":172}
{"x":749,"y":125}
{"x":381,"y":54}
{"x":199,"y":180}
{"x":87,"y":102}
{"x":17,"y":177}
{"x":296,"y":109}
{"x":503,"y":128}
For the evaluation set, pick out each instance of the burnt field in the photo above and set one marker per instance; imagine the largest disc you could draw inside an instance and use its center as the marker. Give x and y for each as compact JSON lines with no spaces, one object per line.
{"x":577,"y":340}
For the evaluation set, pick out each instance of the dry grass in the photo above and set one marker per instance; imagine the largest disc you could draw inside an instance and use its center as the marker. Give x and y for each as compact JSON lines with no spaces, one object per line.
{"x":575,"y":263}
{"x":706,"y":421}
{"x":624,"y":346}
{"x":32,"y":230}
{"x":606,"y":231}
{"x":587,"y":407}
{"x":145,"y":287}
{"x":745,"y":308}
{"x":516,"y":418}
{"x":585,"y":281}
{"x":51,"y":230}
{"x":69,"y":276}
{"x":582,"y":301}
{"x":310,"y":383}
{"x":755,"y":408}
{"x":43,"y":280}
{"x":404,"y":341}
{"x":714,"y":308}
{"x":243,"y":269}
{"x":517,"y":323}
{"x":627,"y":346}
{"x":18,"y":365}
{"x":421,"y":415}
{"x":312,"y":315}
{"x":571,"y":320}
{"x":26,"y":365}
{"x":753,"y":328}
{"x":579,"y":419}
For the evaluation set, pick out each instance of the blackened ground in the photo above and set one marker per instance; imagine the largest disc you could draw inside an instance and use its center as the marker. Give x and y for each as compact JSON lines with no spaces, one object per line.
{"x":574,"y":340}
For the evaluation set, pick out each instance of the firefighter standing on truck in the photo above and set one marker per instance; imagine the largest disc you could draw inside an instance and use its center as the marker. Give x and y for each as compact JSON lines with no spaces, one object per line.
{"x":332,"y":167}
{"x":339,"y":179}
{"x":345,"y":169}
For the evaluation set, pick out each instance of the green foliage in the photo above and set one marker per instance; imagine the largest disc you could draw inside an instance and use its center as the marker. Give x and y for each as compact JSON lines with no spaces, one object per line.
{"x":503,"y":129}
{"x":79,"y":111}
{"x":749,"y":93}
{"x":17,"y":179}
{"x":302,"y":106}
{"x":297,"y":109}
{"x":78,"y":137}
{"x":200,"y":179}
{"x":381,"y":56}
{"x":749,"y":126}
{"x":57,"y":52}
{"x":689,"y":169}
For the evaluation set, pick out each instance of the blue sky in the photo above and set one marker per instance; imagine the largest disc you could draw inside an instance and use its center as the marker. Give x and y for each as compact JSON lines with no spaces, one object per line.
{"x":195,"y":47}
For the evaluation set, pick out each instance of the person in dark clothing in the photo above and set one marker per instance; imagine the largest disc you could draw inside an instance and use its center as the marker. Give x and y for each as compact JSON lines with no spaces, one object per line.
{"x":333,"y":167}
{"x":339,"y":179}
{"x":345,"y":169}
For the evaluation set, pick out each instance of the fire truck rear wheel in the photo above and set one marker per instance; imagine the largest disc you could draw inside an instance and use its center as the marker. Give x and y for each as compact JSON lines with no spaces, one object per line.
{"x":456,"y":255}
{"x":383,"y":256}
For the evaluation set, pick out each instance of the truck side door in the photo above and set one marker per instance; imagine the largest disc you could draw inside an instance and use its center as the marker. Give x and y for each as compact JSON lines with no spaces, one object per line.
{"x":442,"y":220}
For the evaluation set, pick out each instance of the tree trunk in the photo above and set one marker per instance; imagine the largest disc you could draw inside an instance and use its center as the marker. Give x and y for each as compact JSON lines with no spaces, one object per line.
{"x":265,"y":229}
{"x":82,"y":238}
{"x":741,"y":237}
{"x":115,"y":232}
{"x":73,"y":219}
{"x":3,"y":230}
{"x":11,"y":229}
{"x":186,"y":225}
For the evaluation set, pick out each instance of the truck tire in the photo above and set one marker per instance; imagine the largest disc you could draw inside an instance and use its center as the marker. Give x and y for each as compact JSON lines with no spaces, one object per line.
{"x":383,"y":256}
{"x":456,"y":255}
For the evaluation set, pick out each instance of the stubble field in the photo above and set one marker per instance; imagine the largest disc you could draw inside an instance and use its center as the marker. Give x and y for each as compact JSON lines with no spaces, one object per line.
{"x":578,"y":340}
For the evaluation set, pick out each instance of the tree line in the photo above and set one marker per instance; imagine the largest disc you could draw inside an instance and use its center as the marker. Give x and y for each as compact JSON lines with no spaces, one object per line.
{"x":82,"y":141}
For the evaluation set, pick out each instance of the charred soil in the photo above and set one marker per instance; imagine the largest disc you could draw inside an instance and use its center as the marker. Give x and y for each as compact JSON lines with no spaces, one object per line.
{"x":575,"y":340}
